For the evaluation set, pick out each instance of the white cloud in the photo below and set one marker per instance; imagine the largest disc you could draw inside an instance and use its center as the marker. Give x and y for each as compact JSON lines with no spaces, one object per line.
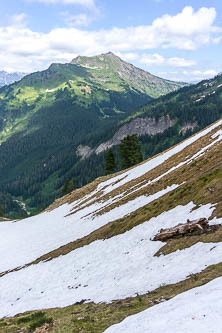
{"x":19,"y":20}
{"x":85,"y":3}
{"x":202,"y":74}
{"x":77,"y":20}
{"x":180,"y":62}
{"x":189,"y":30}
{"x":157,"y":60}
{"x":152,"y":59}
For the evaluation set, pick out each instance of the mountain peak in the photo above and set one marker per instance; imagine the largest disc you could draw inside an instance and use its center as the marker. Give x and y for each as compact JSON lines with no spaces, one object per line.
{"x":110,"y":54}
{"x":83,"y":59}
{"x":107,"y":65}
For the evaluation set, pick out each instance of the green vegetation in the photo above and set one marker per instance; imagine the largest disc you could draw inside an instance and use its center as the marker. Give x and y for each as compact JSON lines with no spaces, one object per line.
{"x":47,"y":115}
{"x":29,"y":322}
{"x":43,"y":119}
{"x":195,"y":178}
{"x":110,"y":163}
{"x":130,"y":151}
{"x":69,"y":186}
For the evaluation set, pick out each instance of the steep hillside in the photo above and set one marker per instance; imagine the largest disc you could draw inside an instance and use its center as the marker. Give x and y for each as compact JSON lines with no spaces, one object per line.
{"x":90,"y":260}
{"x":47,"y":115}
{"x":187,"y":110}
{"x":9,"y":78}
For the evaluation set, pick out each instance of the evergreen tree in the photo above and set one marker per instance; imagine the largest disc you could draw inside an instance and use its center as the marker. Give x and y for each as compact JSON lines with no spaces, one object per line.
{"x":130,"y":151}
{"x":69,"y":186}
{"x":110,"y":164}
{"x":66,"y":187}
{"x":1,"y":211}
{"x":73,"y":185}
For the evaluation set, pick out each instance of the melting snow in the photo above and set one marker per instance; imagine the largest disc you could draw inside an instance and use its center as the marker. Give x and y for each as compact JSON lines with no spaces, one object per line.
{"x":104,"y":270}
{"x":197,"y":310}
{"x":29,"y":239}
{"x":109,"y":269}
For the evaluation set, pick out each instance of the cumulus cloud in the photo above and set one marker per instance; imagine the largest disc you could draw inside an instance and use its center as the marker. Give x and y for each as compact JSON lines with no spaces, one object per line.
{"x":22,"y":46}
{"x":157,"y":60}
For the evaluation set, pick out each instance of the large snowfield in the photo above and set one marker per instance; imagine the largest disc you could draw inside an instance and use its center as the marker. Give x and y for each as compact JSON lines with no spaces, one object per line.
{"x":116,"y":268}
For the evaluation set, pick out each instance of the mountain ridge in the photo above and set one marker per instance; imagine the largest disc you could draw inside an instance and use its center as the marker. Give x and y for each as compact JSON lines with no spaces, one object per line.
{"x":47,"y":115}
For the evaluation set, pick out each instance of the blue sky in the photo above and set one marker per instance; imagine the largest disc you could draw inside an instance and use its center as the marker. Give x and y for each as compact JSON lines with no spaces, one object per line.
{"x":175,"y":39}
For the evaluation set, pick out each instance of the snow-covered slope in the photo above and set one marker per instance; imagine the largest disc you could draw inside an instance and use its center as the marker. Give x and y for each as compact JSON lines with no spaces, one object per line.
{"x":108,"y":267}
{"x":96,"y":245}
{"x":197,"y":310}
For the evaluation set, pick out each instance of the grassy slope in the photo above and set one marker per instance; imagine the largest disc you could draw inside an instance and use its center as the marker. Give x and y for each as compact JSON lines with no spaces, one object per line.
{"x":204,"y":172}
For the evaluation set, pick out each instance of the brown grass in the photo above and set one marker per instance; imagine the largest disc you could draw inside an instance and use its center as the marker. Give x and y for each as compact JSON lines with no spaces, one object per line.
{"x":90,"y":317}
{"x":202,"y":173}
{"x":197,"y":177}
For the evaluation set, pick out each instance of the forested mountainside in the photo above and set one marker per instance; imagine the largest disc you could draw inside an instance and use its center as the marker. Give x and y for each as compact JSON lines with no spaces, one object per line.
{"x":186,"y":110}
{"x":47,"y":115}
{"x":9,"y":78}
{"x":56,"y":143}
{"x":91,"y":260}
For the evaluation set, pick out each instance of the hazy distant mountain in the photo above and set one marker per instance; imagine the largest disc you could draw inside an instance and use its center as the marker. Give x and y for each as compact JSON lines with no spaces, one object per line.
{"x":9,"y":78}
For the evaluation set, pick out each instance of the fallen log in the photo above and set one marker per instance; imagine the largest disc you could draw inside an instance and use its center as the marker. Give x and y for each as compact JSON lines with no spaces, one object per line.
{"x":199,"y":226}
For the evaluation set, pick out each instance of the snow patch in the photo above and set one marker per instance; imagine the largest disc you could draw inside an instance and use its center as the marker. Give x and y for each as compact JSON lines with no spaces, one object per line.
{"x":196,"y":310}
{"x":105,"y":270}
{"x":29,"y":239}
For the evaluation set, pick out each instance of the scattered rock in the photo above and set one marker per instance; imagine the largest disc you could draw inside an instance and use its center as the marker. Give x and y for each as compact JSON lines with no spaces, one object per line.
{"x":81,"y":302}
{"x":210,"y":189}
{"x":84,"y":151}
{"x":44,"y":328}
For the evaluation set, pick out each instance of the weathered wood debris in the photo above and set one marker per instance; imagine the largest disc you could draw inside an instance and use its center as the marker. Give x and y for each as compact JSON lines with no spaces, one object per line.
{"x":198,"y":227}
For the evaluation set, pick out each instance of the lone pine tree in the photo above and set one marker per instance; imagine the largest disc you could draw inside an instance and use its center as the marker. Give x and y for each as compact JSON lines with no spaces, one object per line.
{"x":69,"y":186}
{"x":130,"y":151}
{"x":110,"y":163}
